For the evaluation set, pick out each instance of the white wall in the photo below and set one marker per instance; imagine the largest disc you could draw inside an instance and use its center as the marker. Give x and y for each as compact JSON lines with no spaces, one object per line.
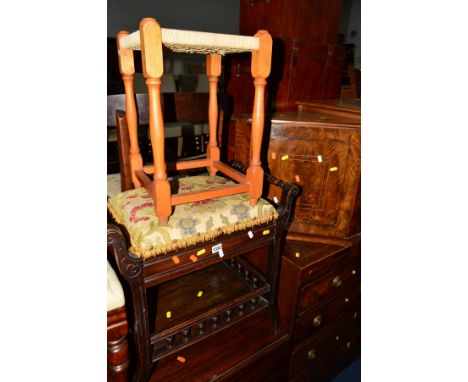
{"x":220,"y":16}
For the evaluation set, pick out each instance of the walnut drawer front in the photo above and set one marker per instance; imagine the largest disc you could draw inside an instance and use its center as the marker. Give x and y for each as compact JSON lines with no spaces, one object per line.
{"x":332,"y":363}
{"x":338,"y":335}
{"x":312,"y":321}
{"x":314,"y":259}
{"x":328,"y":285}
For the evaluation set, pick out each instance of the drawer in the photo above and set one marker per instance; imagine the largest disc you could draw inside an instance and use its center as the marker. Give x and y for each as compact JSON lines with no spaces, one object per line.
{"x":332,"y":363}
{"x":315,"y":259}
{"x":314,"y":320}
{"x":328,"y":285}
{"x":306,"y":355}
{"x":315,"y":373}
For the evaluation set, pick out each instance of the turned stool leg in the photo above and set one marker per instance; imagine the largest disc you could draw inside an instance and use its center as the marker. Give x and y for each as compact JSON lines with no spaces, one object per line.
{"x":151,"y":52}
{"x":161,"y":187}
{"x":213,"y":70}
{"x":127,"y":69}
{"x":261,"y":63}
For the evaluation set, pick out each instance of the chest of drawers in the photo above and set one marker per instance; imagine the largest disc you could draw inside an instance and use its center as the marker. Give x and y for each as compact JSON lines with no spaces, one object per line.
{"x":318,"y":148}
{"x":319,"y":302}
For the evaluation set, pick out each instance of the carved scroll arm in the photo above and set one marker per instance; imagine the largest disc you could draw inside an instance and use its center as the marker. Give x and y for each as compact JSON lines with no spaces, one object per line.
{"x":130,"y":268}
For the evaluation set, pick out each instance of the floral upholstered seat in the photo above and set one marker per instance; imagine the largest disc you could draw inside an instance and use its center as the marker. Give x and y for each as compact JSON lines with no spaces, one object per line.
{"x":115,"y":295}
{"x":190,"y":223}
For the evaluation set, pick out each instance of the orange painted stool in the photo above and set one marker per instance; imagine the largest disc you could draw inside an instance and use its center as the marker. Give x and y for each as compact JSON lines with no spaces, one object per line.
{"x":149,"y":39}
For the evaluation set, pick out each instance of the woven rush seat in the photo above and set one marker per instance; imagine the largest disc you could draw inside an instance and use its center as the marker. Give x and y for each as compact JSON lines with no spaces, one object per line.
{"x":190,"y":223}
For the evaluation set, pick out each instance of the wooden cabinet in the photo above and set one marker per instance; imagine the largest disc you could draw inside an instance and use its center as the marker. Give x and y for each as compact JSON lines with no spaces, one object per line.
{"x":307,"y":63}
{"x":313,"y":20}
{"x":320,"y":151}
{"x":320,"y":306}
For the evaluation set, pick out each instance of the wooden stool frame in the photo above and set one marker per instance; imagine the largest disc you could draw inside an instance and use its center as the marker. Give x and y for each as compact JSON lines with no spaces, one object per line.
{"x":150,"y":40}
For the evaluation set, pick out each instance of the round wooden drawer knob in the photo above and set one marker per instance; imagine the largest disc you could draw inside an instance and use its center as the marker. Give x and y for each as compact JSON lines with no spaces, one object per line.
{"x":311,"y":355}
{"x":317,"y":321}
{"x":337,"y":281}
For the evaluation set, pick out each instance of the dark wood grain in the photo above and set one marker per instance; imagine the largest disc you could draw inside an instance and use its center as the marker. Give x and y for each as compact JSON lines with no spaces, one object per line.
{"x":324,"y":343}
{"x":218,"y":283}
{"x":307,"y":61}
{"x":312,"y":321}
{"x":319,"y":302}
{"x":320,"y":151}
{"x":316,"y":21}
{"x":161,"y":268}
{"x":318,"y":290}
{"x":347,"y":108}
{"x":123,"y":148}
{"x":247,"y":350}
{"x":117,"y":346}
{"x":185,"y":107}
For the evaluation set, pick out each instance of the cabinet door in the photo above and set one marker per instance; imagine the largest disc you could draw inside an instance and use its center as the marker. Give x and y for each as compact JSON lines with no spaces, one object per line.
{"x":260,"y":14}
{"x":316,"y":21}
{"x":323,"y":159}
{"x":325,"y":162}
{"x":310,"y":72}
{"x":319,"y":167}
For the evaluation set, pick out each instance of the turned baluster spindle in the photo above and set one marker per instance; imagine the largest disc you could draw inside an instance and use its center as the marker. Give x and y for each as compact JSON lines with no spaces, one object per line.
{"x":156,"y":126}
{"x":228,"y":315}
{"x":254,"y":282}
{"x":201,"y":327}
{"x":213,"y":70}
{"x":241,"y":309}
{"x":170,"y":342}
{"x":260,"y":68}
{"x":152,"y":62}
{"x":127,"y":70}
{"x":186,"y":333}
{"x":253,"y":302}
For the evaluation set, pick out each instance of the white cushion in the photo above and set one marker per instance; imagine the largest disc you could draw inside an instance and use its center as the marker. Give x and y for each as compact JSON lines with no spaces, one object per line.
{"x":113,"y":185}
{"x":115,"y":295}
